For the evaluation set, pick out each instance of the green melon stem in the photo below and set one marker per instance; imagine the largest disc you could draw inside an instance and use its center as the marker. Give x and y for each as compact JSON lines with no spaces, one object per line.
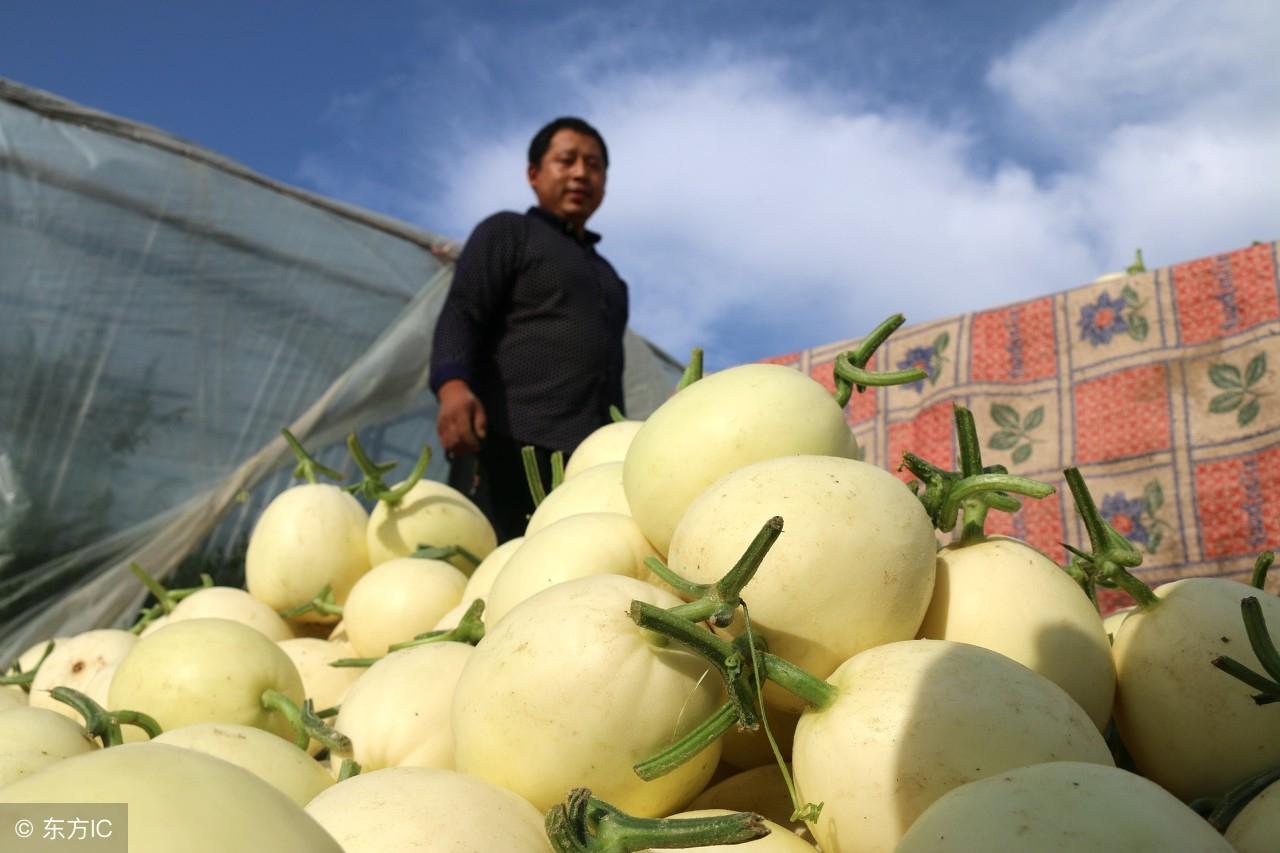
{"x":1077,"y":573}
{"x":818,"y":693}
{"x":373,"y":486}
{"x":1111,"y":554}
{"x":584,"y":824}
{"x":101,"y":723}
{"x":305,"y":724}
{"x":154,"y":587}
{"x":323,"y":602}
{"x":1269,"y":691}
{"x":850,"y":371}
{"x":1138,"y":264}
{"x":973,"y":528}
{"x":445,"y":553}
{"x":693,"y":371}
{"x":1235,"y":800}
{"x":1259,"y":637}
{"x":616,"y":415}
{"x":391,"y":497}
{"x":686,"y":588}
{"x":557,"y":469}
{"x":1264,"y":649}
{"x":721,"y":654}
{"x":166,"y":599}
{"x":307,"y":467}
{"x":330,"y":738}
{"x":718,"y":602}
{"x":949,"y":494}
{"x":735,"y":665}
{"x":18,"y":678}
{"x":699,"y":738}
{"x":1261,"y":566}
{"x":532,"y":476}
{"x":469,"y":630}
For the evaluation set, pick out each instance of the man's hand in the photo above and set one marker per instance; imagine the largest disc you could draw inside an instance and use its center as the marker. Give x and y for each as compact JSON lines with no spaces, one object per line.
{"x":461,"y":423}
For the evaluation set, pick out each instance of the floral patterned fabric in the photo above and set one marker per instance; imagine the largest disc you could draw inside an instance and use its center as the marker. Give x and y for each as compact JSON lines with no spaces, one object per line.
{"x":1160,"y":386}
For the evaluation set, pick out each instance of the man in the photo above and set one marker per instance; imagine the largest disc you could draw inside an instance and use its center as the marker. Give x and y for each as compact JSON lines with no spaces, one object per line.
{"x":528,"y":345}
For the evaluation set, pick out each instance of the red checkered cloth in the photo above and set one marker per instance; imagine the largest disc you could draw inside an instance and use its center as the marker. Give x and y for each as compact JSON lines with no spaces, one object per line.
{"x":1160,"y":386}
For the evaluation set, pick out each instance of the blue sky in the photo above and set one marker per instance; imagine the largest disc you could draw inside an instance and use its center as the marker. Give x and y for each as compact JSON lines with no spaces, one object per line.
{"x":784,"y":174}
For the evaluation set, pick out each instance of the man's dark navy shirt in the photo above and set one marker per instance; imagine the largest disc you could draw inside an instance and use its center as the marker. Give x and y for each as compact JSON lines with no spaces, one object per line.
{"x":534,"y":322}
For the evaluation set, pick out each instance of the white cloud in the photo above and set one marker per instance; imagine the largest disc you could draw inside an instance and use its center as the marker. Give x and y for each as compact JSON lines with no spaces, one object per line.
{"x":1101,"y":66}
{"x":752,"y":216}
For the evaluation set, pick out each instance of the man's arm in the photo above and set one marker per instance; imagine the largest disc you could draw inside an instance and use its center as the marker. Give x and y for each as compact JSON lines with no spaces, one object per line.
{"x":480,"y":281}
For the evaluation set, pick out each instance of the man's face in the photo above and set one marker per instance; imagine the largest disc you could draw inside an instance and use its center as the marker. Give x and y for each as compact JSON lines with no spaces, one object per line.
{"x":569,"y":181}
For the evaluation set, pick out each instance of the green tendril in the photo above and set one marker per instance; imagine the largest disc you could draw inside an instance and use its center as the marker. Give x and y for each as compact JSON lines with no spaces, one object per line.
{"x":808,"y":812}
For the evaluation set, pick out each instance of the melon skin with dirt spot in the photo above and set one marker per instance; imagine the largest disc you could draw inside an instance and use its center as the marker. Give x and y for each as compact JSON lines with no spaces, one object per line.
{"x":719,"y":424}
{"x":86,"y":662}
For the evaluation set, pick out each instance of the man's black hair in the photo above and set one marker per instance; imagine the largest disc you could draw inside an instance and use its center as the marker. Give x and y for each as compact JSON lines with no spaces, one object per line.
{"x":542,"y":139}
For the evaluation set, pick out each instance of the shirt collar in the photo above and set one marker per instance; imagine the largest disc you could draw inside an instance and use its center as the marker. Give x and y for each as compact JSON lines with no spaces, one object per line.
{"x":588,"y":237}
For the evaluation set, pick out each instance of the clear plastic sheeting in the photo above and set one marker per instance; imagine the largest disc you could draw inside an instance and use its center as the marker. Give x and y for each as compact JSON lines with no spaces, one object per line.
{"x":163,"y":313}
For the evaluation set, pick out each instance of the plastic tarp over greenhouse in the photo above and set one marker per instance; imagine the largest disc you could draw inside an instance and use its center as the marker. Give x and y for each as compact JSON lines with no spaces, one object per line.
{"x":164,"y":312}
